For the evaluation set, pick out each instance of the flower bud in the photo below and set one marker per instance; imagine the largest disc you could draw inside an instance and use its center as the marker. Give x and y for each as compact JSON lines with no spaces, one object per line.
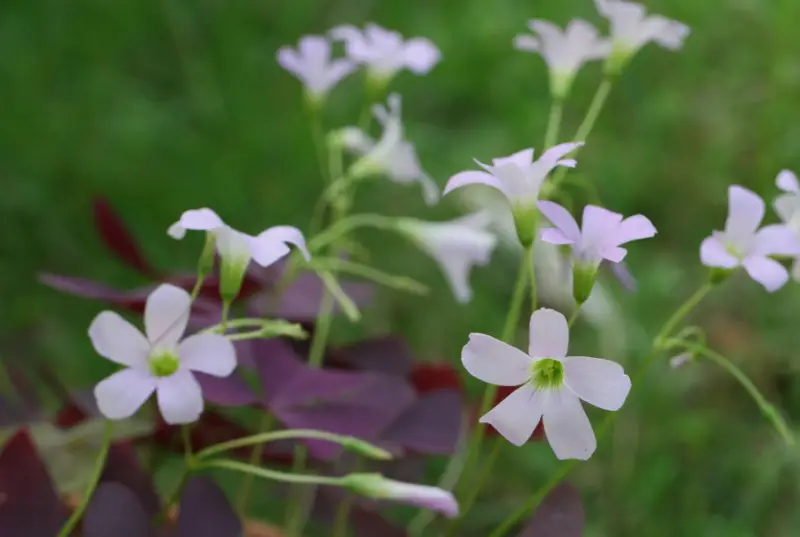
{"x":366,"y":449}
{"x":717,"y":275}
{"x":583,"y":278}
{"x":526,"y":219}
{"x":376,"y":486}
{"x":205,"y":264}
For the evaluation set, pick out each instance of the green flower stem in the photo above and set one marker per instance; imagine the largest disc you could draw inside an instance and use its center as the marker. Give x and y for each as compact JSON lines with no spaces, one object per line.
{"x":198,"y":284}
{"x":226,"y":306}
{"x":341,"y":519}
{"x":347,"y":225}
{"x":486,"y":471}
{"x":574,"y":316}
{"x":235,"y":323}
{"x":532,"y":277}
{"x":348,"y":442}
{"x":100,"y":464}
{"x":243,"y":498}
{"x":553,"y":123}
{"x":769,"y":411}
{"x":586,"y":126}
{"x":657,"y":346}
{"x":318,"y":135}
{"x":274,"y":475}
{"x":401,"y":283}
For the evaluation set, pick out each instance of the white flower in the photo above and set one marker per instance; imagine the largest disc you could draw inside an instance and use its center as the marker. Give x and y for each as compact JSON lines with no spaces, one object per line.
{"x":384,"y":52}
{"x":311,"y":63}
{"x":788,"y":208}
{"x":159,"y":362}
{"x":519,"y":178}
{"x":392,"y":155}
{"x":551,"y":385}
{"x":632,"y":28}
{"x":380,"y":488}
{"x":457,"y":246}
{"x":564,"y":52}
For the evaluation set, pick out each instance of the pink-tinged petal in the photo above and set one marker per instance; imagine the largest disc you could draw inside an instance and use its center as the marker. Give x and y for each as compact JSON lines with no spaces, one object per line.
{"x":553,"y":156}
{"x":615,"y":254}
{"x":208,"y":353}
{"x":787,"y":206}
{"x":561,"y":218}
{"x":337,"y":70}
{"x":289,"y":60}
{"x":271,"y":245}
{"x":120,"y":395}
{"x":314,"y":49}
{"x":527,"y":43}
{"x":776,"y":240}
{"x":420,"y":55}
{"x":787,"y":181}
{"x":473,"y":178}
{"x":180,"y":397}
{"x":668,"y":33}
{"x":166,"y":314}
{"x":602,"y":383}
{"x":118,"y":340}
{"x":714,"y":254}
{"x":745,"y":212}
{"x":495,"y":362}
{"x":549,"y":334}
{"x":598,"y":229}
{"x":517,"y":415}
{"x":424,"y":496}
{"x":567,"y":427}
{"x":554,"y":236}
{"x":634,"y":228}
{"x":201,"y":219}
{"x":768,"y":272}
{"x":521,"y":159}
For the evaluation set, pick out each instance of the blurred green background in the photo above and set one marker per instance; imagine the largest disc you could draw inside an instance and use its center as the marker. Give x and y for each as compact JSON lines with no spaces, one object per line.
{"x":163,"y":105}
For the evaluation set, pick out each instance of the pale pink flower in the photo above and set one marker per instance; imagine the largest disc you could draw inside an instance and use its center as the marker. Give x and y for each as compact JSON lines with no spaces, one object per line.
{"x":312,"y":64}
{"x":380,"y":488}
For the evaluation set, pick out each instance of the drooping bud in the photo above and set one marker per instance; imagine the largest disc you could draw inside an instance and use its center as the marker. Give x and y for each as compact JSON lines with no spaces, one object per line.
{"x":376,"y":486}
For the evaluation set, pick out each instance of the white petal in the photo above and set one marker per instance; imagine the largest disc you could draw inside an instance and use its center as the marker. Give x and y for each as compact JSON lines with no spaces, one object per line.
{"x":775,"y":239}
{"x":602,"y":383}
{"x":180,"y":397}
{"x":768,"y":272}
{"x":473,"y":178}
{"x":289,"y":60}
{"x":201,"y":219}
{"x":495,"y":362}
{"x":787,"y":206}
{"x":796,"y":269}
{"x":208,"y":353}
{"x":549,"y":334}
{"x":787,"y":181}
{"x":598,"y":229}
{"x":528,"y":43}
{"x":420,"y":55}
{"x":118,"y":340}
{"x":271,"y":244}
{"x":567,"y":427}
{"x":355,"y":140}
{"x":517,"y":416}
{"x":714,"y":254}
{"x":233,"y":245}
{"x":120,"y":395}
{"x":562,"y":220}
{"x":166,"y":314}
{"x":745,"y":212}
{"x":176,"y":231}
{"x":521,"y":159}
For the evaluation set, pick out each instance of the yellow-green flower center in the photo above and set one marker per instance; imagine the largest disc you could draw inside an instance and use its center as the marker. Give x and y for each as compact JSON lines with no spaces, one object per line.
{"x":163,"y":363}
{"x":547,"y":374}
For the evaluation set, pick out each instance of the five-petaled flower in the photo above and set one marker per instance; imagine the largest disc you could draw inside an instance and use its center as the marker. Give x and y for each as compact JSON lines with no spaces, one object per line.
{"x":742,"y":244}
{"x":632,"y":28}
{"x":600,"y":238}
{"x":519,"y":178}
{"x":312,"y":64}
{"x":787,"y":205}
{"x":158,"y":362}
{"x":457,"y":245}
{"x":384,"y":52}
{"x":236,"y":249}
{"x":392,"y":154}
{"x":551,"y":385}
{"x":380,"y":488}
{"x":564,"y":52}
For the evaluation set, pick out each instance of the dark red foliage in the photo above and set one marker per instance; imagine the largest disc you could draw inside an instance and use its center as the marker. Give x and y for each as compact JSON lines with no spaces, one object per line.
{"x":561,"y":514}
{"x":206,"y":512}
{"x":115,"y":511}
{"x":431,"y":377}
{"x":118,"y":239}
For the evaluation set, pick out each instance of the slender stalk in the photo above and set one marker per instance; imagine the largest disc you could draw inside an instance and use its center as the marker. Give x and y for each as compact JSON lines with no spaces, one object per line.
{"x":198,"y":284}
{"x":186,"y":433}
{"x":486,"y":471}
{"x":348,"y":225}
{"x":318,"y":135}
{"x":658,"y":345}
{"x":341,"y":518}
{"x":255,"y":457}
{"x":234,"y":323}
{"x":553,"y":123}
{"x":574,"y":316}
{"x":226,"y":306}
{"x":99,"y":465}
{"x":285,"y":477}
{"x":532,"y":276}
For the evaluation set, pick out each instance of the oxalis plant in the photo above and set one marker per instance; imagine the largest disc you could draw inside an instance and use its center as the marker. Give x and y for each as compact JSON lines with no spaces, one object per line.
{"x":341,"y":432}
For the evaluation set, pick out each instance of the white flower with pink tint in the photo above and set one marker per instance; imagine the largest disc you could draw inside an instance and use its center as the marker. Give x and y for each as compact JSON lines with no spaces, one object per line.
{"x":519,"y":178}
{"x":235,"y":248}
{"x":312,"y":64}
{"x":160,"y":361}
{"x":787,"y":205}
{"x":551,"y":385}
{"x":743,"y":244}
{"x":385,"y":52}
{"x":564,"y":52}
{"x":380,"y":488}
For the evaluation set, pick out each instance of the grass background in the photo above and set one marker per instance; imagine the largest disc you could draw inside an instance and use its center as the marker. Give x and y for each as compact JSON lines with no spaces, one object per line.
{"x":163,"y":105}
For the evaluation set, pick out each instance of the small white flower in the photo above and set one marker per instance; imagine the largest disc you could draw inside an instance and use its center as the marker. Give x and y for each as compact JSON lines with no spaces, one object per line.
{"x":564,"y":52}
{"x":551,"y":385}
{"x":457,"y":246}
{"x":158,"y":362}
{"x":384,"y":52}
{"x":788,"y":208}
{"x":380,"y":488}
{"x":311,"y":63}
{"x":632,"y":28}
{"x":392,"y":155}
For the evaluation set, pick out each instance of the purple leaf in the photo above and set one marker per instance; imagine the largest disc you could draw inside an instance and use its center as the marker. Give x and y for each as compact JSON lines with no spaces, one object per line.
{"x":365,"y":521}
{"x":115,"y":511}
{"x":206,"y":512}
{"x":385,"y":354}
{"x":559,"y":515}
{"x":14,"y":414}
{"x":277,"y":364}
{"x":29,"y":504}
{"x":230,"y":391}
{"x":116,"y":237}
{"x":431,"y":425}
{"x":123,"y":467}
